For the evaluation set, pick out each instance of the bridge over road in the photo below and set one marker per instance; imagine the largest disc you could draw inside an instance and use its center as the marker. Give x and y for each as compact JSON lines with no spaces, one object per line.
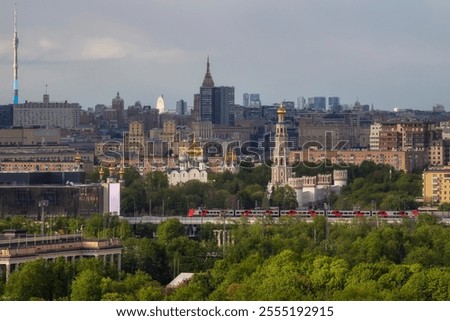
{"x":185,"y":220}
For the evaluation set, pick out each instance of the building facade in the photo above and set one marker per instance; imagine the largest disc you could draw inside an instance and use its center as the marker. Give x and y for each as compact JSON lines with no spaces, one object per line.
{"x":405,"y":135}
{"x":206,"y":96}
{"x":181,"y":108}
{"x":44,"y":158}
{"x":63,"y":200}
{"x":223,"y":104}
{"x":6,"y":116}
{"x":436,"y":185}
{"x":329,"y":130}
{"x":16,"y":248}
{"x":375,"y":136}
{"x":118,"y":106}
{"x":135,"y":140}
{"x":215,"y":103}
{"x":47,"y":114}
{"x":399,"y":160}
{"x":29,"y":136}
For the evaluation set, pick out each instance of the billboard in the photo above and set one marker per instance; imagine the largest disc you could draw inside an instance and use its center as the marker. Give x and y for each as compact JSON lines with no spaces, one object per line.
{"x":114,"y":198}
{"x":111,"y":198}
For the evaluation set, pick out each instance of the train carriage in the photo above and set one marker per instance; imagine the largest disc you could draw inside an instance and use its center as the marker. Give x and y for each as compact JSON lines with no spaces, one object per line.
{"x":275,"y":212}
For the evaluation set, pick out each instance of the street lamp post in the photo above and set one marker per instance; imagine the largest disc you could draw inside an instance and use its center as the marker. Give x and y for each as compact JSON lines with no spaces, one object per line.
{"x":326,"y":207}
{"x":223,"y":214}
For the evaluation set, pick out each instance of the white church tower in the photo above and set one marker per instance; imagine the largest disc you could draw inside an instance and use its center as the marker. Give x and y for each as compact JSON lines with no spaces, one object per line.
{"x":281,"y":171}
{"x":160,"y":104}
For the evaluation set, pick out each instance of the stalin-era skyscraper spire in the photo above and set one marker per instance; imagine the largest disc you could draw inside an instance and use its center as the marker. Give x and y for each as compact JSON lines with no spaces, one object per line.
{"x":15,"y":64}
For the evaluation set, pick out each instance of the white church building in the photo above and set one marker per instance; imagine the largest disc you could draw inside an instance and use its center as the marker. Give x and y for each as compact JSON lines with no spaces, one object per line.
{"x":191,"y":167}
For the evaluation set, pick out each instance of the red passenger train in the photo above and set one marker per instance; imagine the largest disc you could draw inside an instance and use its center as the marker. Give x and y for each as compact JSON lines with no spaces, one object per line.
{"x":203,"y":212}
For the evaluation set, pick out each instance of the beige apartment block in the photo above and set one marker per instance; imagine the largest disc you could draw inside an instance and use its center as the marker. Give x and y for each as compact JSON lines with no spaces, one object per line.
{"x":399,"y":160}
{"x":436,"y":185}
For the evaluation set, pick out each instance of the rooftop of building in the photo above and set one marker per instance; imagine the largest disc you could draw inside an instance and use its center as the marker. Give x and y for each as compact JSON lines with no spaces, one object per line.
{"x":438,"y":169}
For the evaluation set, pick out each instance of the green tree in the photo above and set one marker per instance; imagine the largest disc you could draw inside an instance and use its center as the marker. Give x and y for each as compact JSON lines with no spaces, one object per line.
{"x":280,"y":278}
{"x":259,"y":175}
{"x":225,"y":277}
{"x":148,"y":256}
{"x":155,"y":183}
{"x":62,"y":274}
{"x":366,"y":291}
{"x":383,"y":243}
{"x":328,"y":275}
{"x":33,"y":280}
{"x":186,"y":255}
{"x":217,"y":198}
{"x":445,"y":207}
{"x":366,"y":272}
{"x":134,"y":287}
{"x":169,"y":229}
{"x":87,"y":286}
{"x":94,"y":226}
{"x":130,"y":175}
{"x":284,"y":197}
{"x":395,"y":279}
{"x":133,"y":197}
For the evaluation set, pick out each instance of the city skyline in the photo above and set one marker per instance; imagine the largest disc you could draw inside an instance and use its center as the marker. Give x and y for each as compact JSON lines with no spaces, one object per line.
{"x":382,"y":53}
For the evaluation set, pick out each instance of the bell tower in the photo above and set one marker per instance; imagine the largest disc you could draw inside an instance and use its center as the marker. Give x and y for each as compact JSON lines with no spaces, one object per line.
{"x":281,"y":171}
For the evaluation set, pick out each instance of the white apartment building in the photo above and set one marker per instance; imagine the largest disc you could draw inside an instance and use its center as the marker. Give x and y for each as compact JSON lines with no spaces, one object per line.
{"x":47,"y":114}
{"x":374,"y":139}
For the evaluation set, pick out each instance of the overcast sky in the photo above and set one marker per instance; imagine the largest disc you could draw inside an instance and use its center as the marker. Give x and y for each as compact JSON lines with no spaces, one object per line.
{"x":389,"y":53}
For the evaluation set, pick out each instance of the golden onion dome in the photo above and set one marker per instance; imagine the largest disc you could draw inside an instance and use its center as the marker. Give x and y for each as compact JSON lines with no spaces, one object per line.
{"x":281,"y":110}
{"x":194,"y":150}
{"x":78,"y":157}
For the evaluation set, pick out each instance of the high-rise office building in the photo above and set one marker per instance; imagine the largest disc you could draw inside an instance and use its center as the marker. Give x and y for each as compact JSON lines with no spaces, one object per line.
{"x":255,"y":100}
{"x":118,"y":106}
{"x":246,"y":100}
{"x":301,"y":102}
{"x":181,"y":108}
{"x":6,"y":116}
{"x":216,"y":103}
{"x":195,"y":112}
{"x":317,"y":103}
{"x":206,"y":95}
{"x":333,"y":102}
{"x":223,"y":103}
{"x":206,"y":100}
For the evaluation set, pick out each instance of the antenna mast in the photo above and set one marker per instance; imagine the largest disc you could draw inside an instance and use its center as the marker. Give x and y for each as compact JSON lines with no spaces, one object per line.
{"x":15,"y":63}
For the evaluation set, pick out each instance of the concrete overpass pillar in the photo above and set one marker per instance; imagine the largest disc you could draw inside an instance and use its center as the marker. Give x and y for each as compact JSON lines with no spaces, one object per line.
{"x":8,"y":271}
{"x":119,"y":262}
